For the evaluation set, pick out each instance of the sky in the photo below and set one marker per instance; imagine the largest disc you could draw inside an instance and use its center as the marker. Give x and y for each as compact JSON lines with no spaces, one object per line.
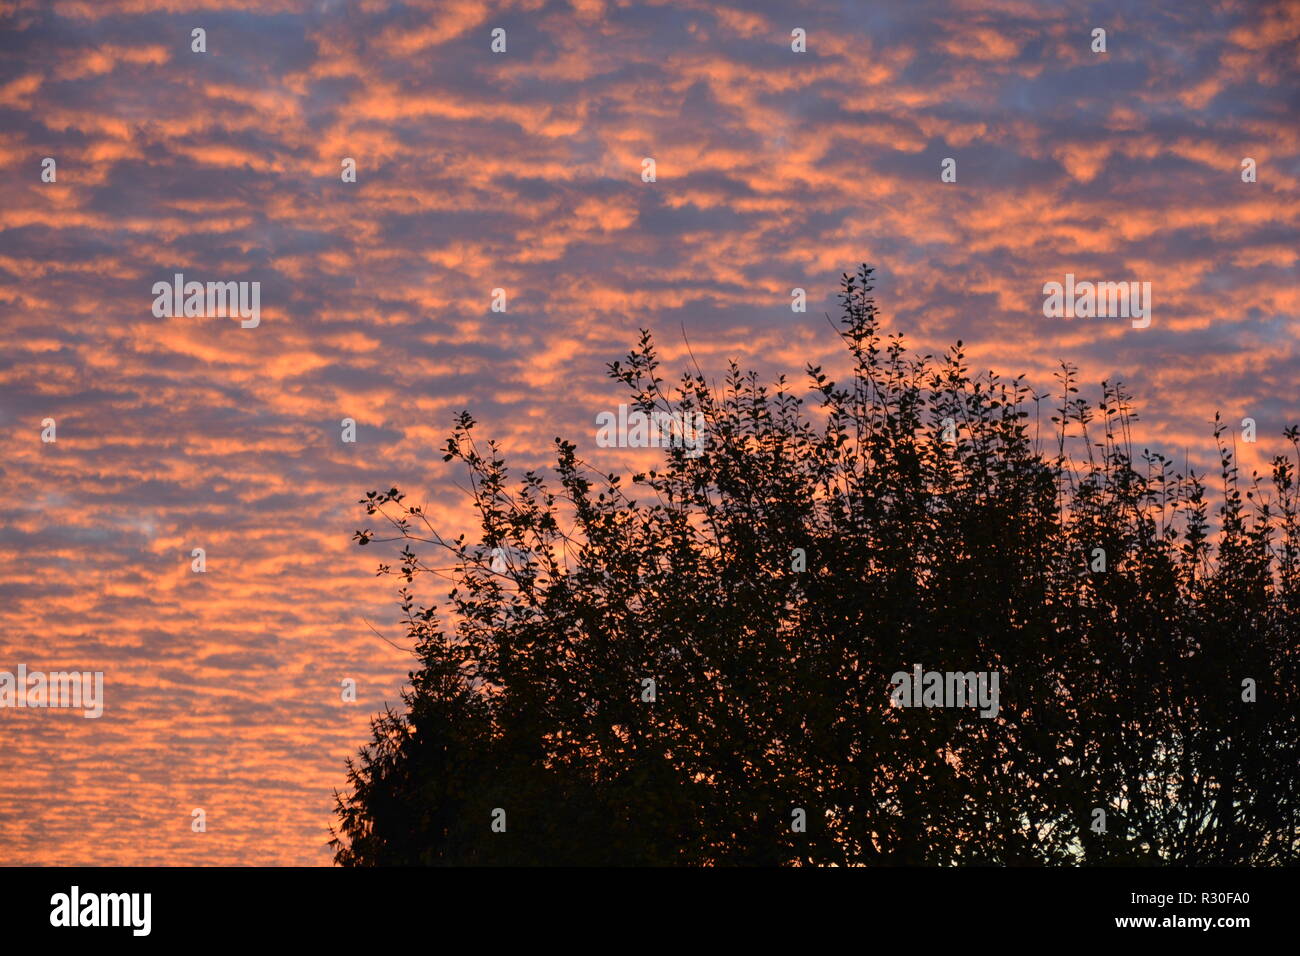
{"x":524,"y":171}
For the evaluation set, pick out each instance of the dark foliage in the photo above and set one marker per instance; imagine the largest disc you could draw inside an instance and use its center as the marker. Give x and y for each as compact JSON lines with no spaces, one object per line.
{"x":1121,"y":689}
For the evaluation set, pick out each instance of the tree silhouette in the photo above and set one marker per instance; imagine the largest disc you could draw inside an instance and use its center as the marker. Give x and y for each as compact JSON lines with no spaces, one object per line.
{"x":943,"y":522}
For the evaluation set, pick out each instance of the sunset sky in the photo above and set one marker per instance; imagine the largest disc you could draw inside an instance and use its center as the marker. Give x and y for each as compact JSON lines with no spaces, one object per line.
{"x":523,"y":171}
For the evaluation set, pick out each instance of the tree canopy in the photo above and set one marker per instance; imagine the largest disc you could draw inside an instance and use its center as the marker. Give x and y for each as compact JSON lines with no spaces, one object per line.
{"x":770,"y":587}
